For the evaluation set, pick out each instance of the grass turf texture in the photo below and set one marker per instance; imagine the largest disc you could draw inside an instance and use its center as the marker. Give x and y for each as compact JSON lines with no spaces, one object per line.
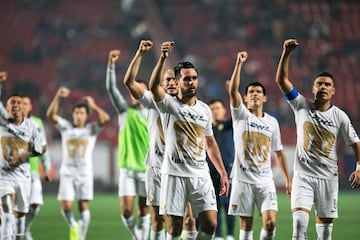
{"x":107,"y":225}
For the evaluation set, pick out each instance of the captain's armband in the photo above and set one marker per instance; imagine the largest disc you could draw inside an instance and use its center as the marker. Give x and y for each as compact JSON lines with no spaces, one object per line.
{"x":291,"y":95}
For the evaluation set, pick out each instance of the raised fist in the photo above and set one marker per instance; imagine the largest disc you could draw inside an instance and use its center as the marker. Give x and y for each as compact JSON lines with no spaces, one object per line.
{"x":3,"y":76}
{"x":63,"y":92}
{"x":242,"y":56}
{"x":166,"y":48}
{"x":145,"y":45}
{"x":113,"y":56}
{"x":290,"y":45}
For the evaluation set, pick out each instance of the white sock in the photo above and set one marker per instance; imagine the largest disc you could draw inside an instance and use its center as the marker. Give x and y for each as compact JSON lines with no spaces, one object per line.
{"x":267,"y":235}
{"x":20,"y":227}
{"x":300,"y":224}
{"x":160,"y":235}
{"x":324,"y":231}
{"x":245,"y":235}
{"x":69,"y":218}
{"x":189,"y":235}
{"x":84,"y":221}
{"x":130,"y":224}
{"x":170,"y":237}
{"x":144,"y":225}
{"x":205,"y":236}
{"x":7,"y":226}
{"x":33,"y":212}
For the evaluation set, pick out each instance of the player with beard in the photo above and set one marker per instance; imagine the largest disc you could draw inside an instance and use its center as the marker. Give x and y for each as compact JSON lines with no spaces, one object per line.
{"x":185,"y":172}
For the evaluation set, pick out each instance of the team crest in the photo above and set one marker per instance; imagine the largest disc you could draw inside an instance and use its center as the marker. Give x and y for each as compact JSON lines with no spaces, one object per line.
{"x":234,"y":207}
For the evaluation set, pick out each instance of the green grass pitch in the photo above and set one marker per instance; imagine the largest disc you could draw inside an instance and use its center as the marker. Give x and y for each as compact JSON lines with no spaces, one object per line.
{"x":106,"y":223}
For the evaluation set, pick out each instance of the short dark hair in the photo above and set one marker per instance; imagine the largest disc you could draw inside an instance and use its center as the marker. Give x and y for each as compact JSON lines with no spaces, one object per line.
{"x":255,"y":84}
{"x":14,"y":95}
{"x":181,"y":65}
{"x":325,"y":74}
{"x":82,"y":105}
{"x":217,"y":100}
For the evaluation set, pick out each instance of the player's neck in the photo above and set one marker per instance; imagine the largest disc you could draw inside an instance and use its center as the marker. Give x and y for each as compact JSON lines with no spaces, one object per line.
{"x":16,"y":120}
{"x":322,"y":106}
{"x":257,"y":111}
{"x":187,"y":100}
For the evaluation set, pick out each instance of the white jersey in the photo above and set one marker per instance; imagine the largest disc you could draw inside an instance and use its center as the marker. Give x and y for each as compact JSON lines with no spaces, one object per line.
{"x":254,"y":140}
{"x":185,"y":134}
{"x":77,"y":147}
{"x":15,"y":141}
{"x":156,"y":134}
{"x":317,"y":134}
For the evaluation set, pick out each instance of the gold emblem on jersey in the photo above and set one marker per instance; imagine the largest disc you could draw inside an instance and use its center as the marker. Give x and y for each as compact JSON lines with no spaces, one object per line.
{"x":13,"y":147}
{"x":318,"y":138}
{"x":256,"y":146}
{"x":191,"y":135}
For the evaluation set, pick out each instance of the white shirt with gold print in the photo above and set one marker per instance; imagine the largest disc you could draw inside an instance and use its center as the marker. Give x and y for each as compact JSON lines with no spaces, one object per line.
{"x":186,"y":129}
{"x":254,"y":141}
{"x":77,"y":147}
{"x":317,"y":134}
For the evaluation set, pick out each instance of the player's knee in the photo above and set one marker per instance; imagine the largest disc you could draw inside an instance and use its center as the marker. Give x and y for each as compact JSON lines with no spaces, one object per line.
{"x":159,"y":222}
{"x":270,"y":225}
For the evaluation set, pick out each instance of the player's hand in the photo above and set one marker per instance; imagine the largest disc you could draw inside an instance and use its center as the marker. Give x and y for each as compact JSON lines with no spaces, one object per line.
{"x":289,"y":45}
{"x":48,"y":177}
{"x":3,"y":77}
{"x":114,"y":56}
{"x":145,"y":45}
{"x":224,"y":184}
{"x":354,"y":179}
{"x":90,"y":101}
{"x":288,"y":187}
{"x":63,"y":92}
{"x":166,"y":48}
{"x":242,"y":56}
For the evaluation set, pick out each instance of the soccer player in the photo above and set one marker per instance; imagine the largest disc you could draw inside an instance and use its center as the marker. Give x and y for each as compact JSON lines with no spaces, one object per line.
{"x":133,"y":144}
{"x":223,"y":133}
{"x":318,"y":124}
{"x":20,"y":139}
{"x":36,"y":196}
{"x":76,"y":173}
{"x":256,"y":136}
{"x":185,"y":172}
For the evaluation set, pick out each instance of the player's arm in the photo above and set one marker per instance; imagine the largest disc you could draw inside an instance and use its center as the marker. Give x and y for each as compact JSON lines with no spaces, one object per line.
{"x":282,"y":72}
{"x":214,"y":154}
{"x":52,"y":111}
{"x":157,"y":73}
{"x":355,"y":176}
{"x":103,"y":116}
{"x":135,"y":88}
{"x":3,"y":112}
{"x":235,"y":97}
{"x":280,"y":158}
{"x":116,"y":97}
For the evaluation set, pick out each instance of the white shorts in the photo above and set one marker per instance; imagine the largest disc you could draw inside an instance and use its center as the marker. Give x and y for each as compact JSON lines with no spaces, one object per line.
{"x":36,"y":196}
{"x":177,"y":191}
{"x":76,"y":187}
{"x":131,"y":183}
{"x":244,"y":196}
{"x":21,"y":190}
{"x":323,"y":193}
{"x":153,"y":184}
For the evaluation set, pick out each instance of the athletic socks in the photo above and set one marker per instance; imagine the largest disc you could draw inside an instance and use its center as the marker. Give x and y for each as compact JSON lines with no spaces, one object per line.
{"x":69,"y":218}
{"x":130,"y":224}
{"x":300,"y":224}
{"x":267,"y":235}
{"x":170,"y":237}
{"x":245,"y":235}
{"x":20,"y":227}
{"x":324,"y":230}
{"x":144,"y":226}
{"x":160,"y":235}
{"x":84,"y":222}
{"x":189,"y":235}
{"x":33,"y":212}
